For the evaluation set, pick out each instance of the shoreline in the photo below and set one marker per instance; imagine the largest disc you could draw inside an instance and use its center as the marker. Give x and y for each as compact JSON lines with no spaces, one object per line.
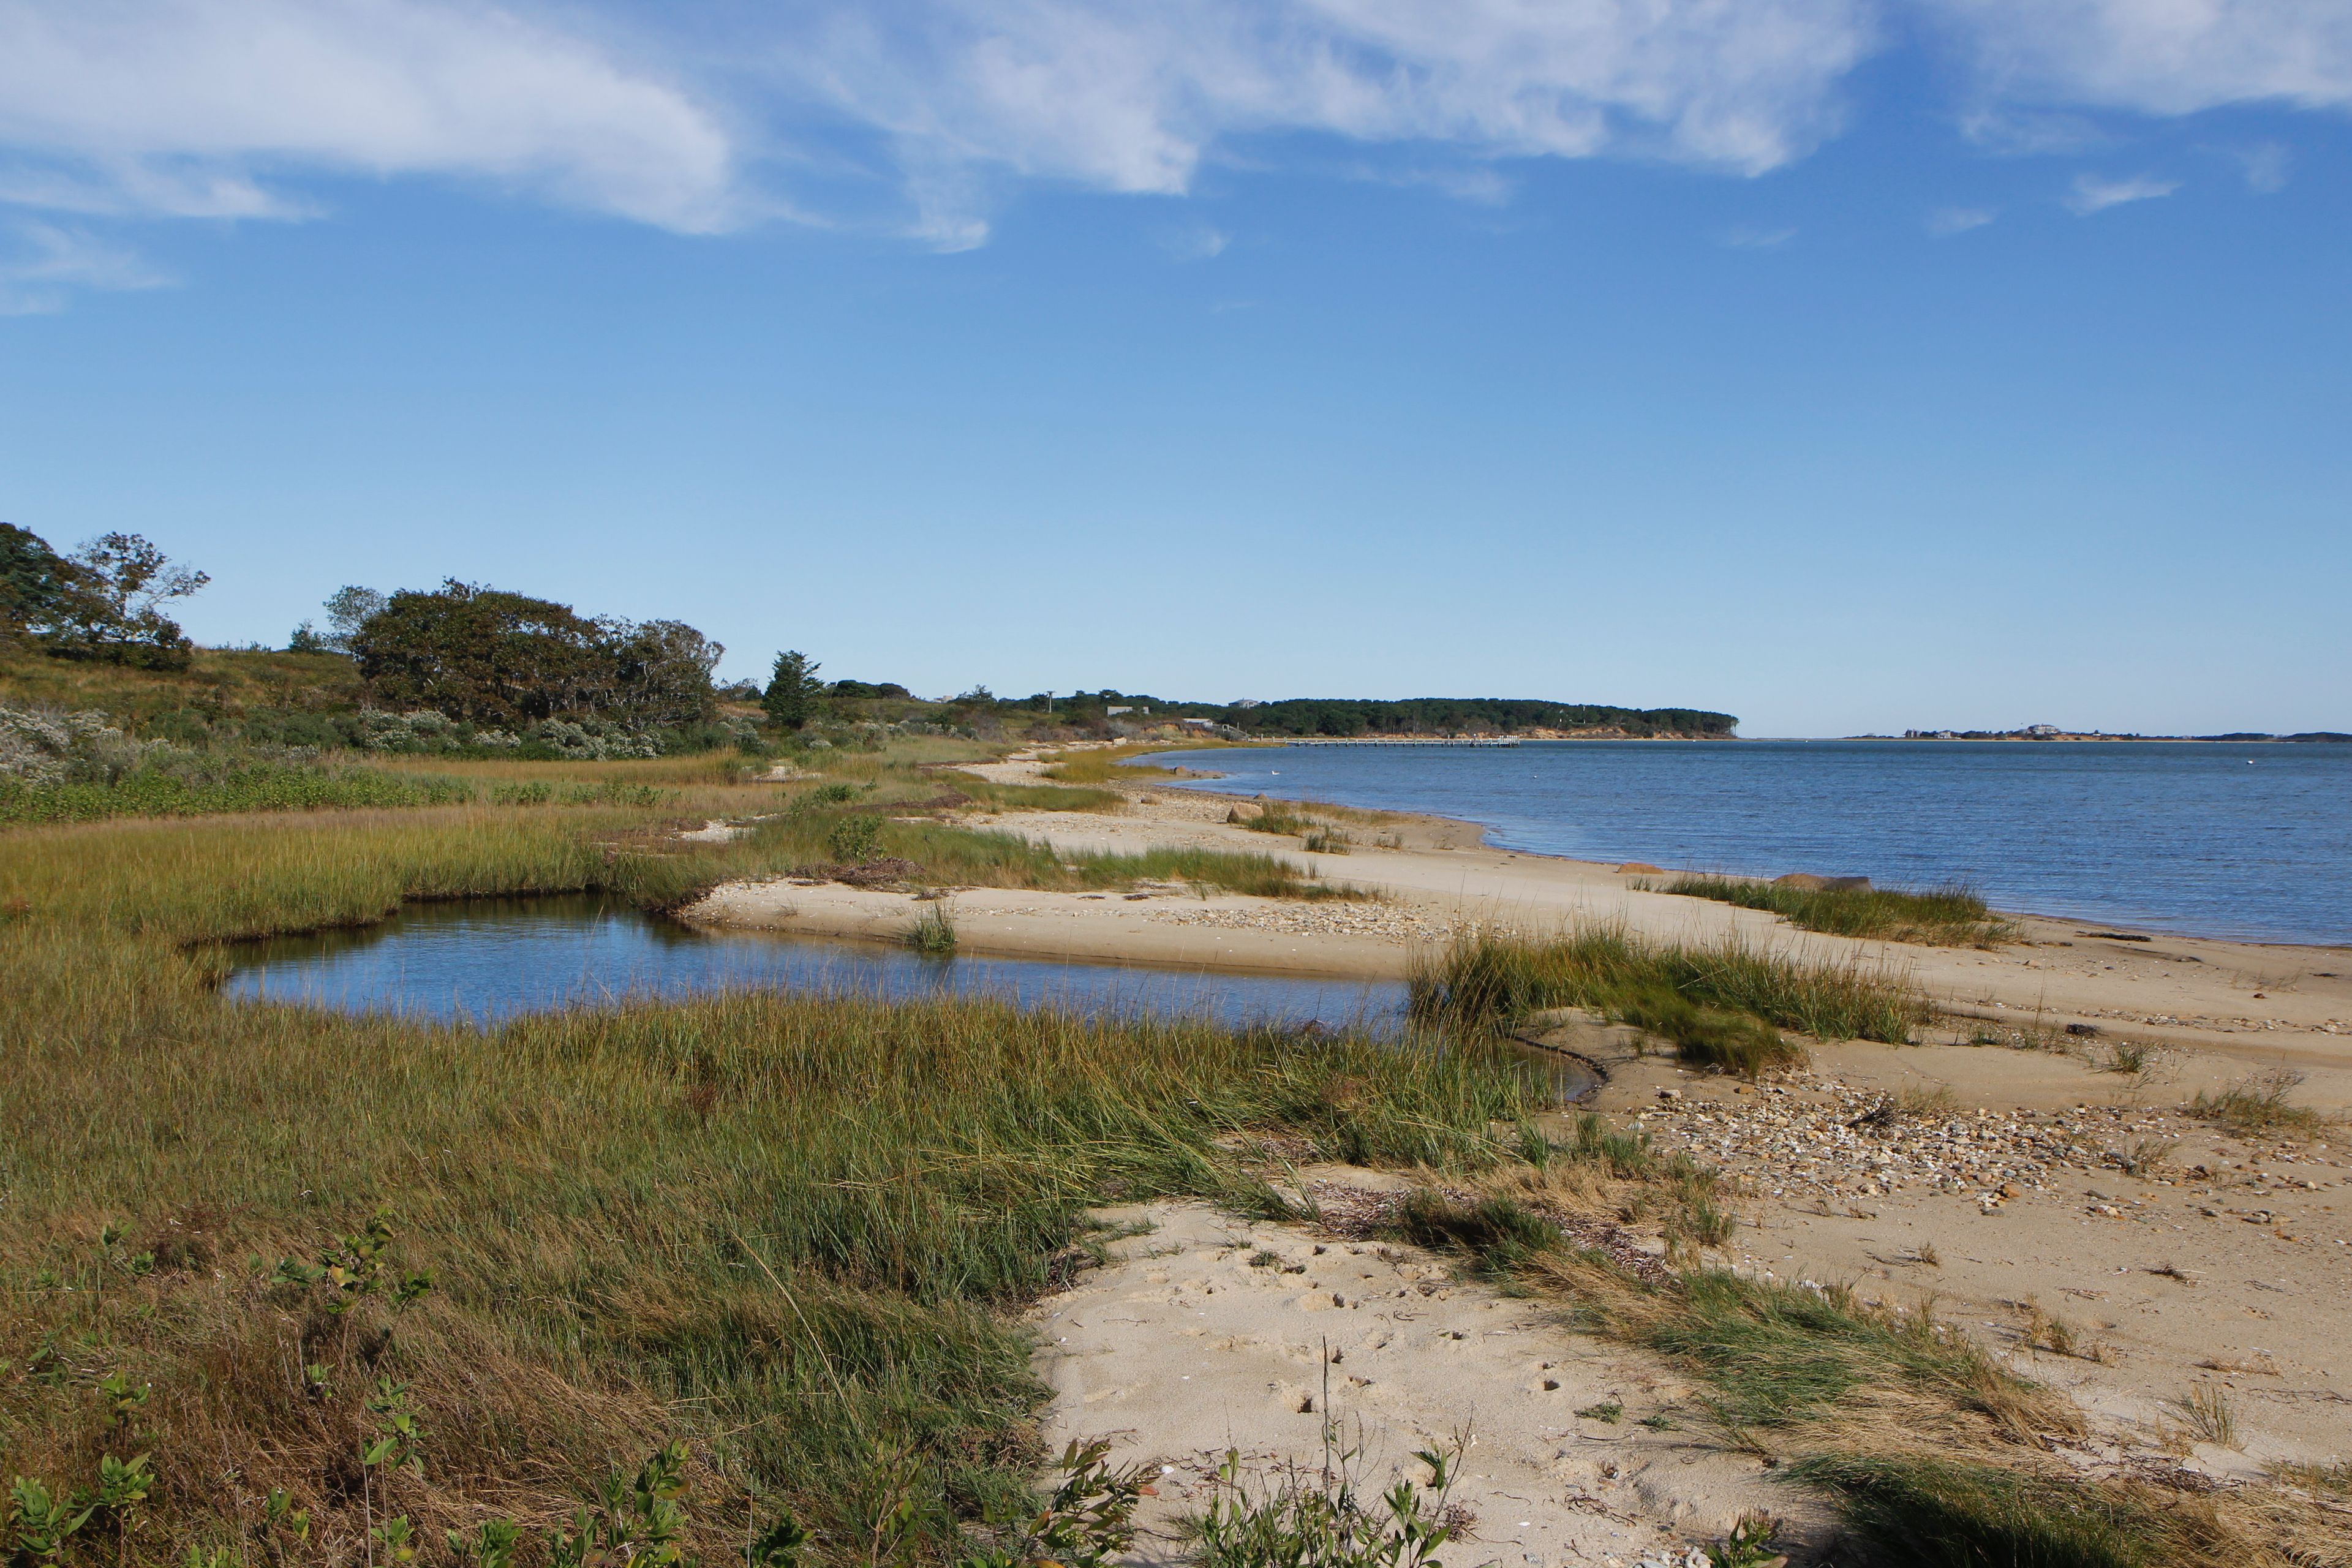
{"x":2127,"y":924}
{"x":1434,"y":877}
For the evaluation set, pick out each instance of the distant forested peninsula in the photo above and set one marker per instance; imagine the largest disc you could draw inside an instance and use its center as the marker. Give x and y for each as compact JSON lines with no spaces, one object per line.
{"x":1474,"y":716}
{"x":1348,"y":716}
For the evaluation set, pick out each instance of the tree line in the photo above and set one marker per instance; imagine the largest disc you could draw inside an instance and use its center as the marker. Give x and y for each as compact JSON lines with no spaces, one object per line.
{"x":503,"y":660}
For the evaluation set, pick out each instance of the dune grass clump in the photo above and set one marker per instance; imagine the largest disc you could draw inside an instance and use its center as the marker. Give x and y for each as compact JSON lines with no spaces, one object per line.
{"x":933,"y":935}
{"x":1722,"y":1003}
{"x":1953,"y":916}
{"x":2258,"y":1106}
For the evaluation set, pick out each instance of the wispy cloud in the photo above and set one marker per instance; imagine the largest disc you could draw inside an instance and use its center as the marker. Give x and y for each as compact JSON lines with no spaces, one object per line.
{"x":2157,"y":56}
{"x":2266,"y":165}
{"x":2091,"y":193}
{"x":1199,"y":243}
{"x":1944,"y":222}
{"x":921,"y":116}
{"x":2011,"y":130}
{"x":1745,"y":238}
{"x":47,"y":263}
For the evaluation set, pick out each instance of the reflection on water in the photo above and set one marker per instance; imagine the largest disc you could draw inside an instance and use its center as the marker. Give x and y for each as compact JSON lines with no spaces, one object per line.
{"x":485,"y":959}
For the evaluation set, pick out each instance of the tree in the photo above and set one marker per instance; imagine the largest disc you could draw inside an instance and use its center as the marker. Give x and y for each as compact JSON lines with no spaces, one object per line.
{"x":664,"y":672}
{"x":792,"y":691}
{"x":482,"y":654}
{"x":510,"y":661}
{"x":349,"y":608}
{"x":35,"y":584}
{"x":103,"y":601}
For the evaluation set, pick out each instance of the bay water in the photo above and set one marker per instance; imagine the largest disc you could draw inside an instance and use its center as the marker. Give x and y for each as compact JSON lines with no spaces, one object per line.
{"x":2251,"y":842}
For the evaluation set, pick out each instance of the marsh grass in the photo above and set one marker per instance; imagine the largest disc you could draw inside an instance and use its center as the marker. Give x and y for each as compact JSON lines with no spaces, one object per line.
{"x":991,"y":795}
{"x":1953,"y":916}
{"x":2258,"y":1106}
{"x":958,"y":856}
{"x":1722,"y":1003}
{"x":255,"y":784}
{"x":933,"y":935}
{"x":781,"y":1228}
{"x":1277,"y":819}
{"x":1105,"y":766}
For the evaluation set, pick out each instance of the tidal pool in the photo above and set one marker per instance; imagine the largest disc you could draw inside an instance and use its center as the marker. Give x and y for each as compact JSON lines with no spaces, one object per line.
{"x":485,"y":959}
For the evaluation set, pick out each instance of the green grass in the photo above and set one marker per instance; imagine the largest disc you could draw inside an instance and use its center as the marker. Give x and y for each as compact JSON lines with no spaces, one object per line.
{"x":786,"y":1230}
{"x":993,"y":796}
{"x":1945,"y":917}
{"x":2258,"y":1106}
{"x":1723,"y":1004}
{"x":1105,"y":765}
{"x":218,"y":686}
{"x":235,"y":786}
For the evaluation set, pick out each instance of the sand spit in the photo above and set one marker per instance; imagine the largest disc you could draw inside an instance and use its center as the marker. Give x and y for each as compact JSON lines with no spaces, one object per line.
{"x":1432,"y":879}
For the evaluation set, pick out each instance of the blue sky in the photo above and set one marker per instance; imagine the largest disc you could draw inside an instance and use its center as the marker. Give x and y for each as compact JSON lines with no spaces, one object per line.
{"x":1843,"y":365}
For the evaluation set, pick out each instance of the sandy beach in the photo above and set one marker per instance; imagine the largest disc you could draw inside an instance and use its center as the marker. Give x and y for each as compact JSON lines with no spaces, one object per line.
{"x":2065,"y":1212}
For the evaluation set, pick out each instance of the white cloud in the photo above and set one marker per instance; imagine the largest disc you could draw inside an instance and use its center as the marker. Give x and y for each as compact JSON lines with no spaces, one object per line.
{"x":2091,"y":193}
{"x":1133,"y":95}
{"x":921,"y":115}
{"x":184,"y":108}
{"x":48,"y":261}
{"x":1944,"y":222}
{"x":2160,"y":56}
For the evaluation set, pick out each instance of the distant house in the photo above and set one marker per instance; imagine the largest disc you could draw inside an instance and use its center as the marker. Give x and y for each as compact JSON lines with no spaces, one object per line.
{"x":1198,"y":723}
{"x":2042,"y":731}
{"x":1114,"y":712}
{"x":1242,"y":702}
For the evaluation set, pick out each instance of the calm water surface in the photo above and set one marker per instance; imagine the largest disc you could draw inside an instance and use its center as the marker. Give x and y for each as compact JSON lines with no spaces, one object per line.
{"x":488,"y":958}
{"x":2250,"y":842}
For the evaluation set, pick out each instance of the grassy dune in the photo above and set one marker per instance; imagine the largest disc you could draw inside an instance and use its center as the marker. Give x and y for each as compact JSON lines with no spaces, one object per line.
{"x":780,"y":1229}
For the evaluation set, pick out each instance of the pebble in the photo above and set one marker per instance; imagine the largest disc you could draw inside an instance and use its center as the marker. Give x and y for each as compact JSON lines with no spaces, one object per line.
{"x":1824,"y":1137}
